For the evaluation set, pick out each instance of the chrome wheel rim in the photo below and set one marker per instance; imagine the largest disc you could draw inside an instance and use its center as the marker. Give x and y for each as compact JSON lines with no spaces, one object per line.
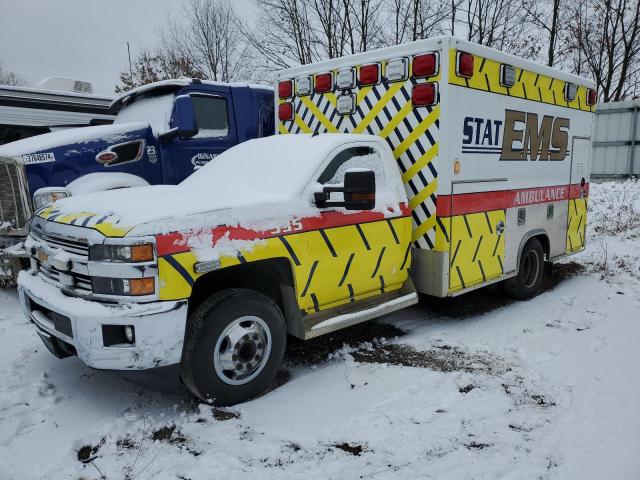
{"x":531,"y":268}
{"x":242,"y":350}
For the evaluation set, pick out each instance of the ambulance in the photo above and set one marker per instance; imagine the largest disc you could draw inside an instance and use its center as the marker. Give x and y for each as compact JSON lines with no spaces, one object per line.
{"x":436,"y":167}
{"x":493,"y":150}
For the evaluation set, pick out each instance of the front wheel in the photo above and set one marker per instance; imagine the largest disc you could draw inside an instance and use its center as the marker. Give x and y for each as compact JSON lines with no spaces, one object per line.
{"x":234,"y":346}
{"x":528,"y":281}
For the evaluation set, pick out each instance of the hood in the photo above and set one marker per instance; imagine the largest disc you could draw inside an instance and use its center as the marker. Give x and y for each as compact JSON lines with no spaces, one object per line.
{"x":165,"y":208}
{"x":57,"y":158}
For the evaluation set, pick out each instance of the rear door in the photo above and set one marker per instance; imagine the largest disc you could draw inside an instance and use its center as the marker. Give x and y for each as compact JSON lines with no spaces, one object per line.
{"x":578,"y":194}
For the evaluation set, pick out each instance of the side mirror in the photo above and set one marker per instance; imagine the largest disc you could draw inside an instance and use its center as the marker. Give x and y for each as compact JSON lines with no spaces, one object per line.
{"x":184,"y":119}
{"x":359,"y":192}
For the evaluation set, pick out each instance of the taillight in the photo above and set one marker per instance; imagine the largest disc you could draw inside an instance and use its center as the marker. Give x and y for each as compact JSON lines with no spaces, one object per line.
{"x":425,"y":65}
{"x":424,"y":94}
{"x":592,"y":97}
{"x":464,"y":65}
{"x":370,"y":74}
{"x":285,"y":89}
{"x":285,"y":111}
{"x":324,"y":82}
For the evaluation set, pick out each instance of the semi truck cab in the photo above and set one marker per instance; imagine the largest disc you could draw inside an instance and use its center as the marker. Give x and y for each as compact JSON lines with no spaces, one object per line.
{"x":161,"y":134}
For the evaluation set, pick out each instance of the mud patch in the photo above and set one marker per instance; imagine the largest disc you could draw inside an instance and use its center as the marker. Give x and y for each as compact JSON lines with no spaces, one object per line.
{"x":316,"y":350}
{"x":223,"y":415}
{"x":449,"y":359}
{"x":353,"y":449}
{"x":168,"y":434}
{"x":87,"y":453}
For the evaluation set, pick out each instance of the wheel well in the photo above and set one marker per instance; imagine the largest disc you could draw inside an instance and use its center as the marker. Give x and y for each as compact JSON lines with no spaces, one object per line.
{"x":542,"y":237}
{"x":272,"y":277}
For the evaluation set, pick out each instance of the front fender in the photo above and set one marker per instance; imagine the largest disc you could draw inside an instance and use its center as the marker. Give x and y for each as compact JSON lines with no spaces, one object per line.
{"x":101,"y":181}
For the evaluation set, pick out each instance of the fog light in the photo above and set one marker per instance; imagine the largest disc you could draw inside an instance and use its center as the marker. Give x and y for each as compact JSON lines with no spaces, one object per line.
{"x":129,"y":334}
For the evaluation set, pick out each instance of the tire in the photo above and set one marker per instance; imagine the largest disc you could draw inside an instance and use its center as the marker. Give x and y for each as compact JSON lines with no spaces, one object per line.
{"x":528,"y":281}
{"x":234,"y":345}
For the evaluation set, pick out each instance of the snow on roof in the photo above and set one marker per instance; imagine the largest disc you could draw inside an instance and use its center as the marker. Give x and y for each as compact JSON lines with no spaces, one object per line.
{"x":175,"y":84}
{"x":49,"y":141}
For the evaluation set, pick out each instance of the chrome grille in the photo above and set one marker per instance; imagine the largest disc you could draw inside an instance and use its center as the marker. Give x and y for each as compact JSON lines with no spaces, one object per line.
{"x":14,"y":203}
{"x":73,"y":280}
{"x":76,"y":247}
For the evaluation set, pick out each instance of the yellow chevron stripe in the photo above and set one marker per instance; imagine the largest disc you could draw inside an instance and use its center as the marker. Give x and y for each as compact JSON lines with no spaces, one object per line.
{"x":363,"y":92}
{"x":423,"y":228}
{"x":332,"y":98}
{"x":418,"y":131}
{"x":423,"y":195}
{"x":378,"y":106}
{"x":403,"y":112}
{"x":303,"y":126}
{"x":282,"y":129}
{"x":422,"y":162}
{"x":319,"y":115}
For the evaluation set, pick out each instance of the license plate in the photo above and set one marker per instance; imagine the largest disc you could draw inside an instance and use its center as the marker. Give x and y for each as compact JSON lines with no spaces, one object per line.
{"x":41,"y":256}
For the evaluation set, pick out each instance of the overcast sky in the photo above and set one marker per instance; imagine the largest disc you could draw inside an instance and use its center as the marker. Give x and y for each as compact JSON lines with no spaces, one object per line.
{"x":82,"y":39}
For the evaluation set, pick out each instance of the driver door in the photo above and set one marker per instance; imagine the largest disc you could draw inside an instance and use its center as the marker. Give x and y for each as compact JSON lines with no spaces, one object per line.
{"x":216,"y":133}
{"x":356,"y":254}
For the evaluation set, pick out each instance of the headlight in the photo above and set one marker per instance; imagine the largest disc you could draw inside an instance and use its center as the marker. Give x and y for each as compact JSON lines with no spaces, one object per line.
{"x":123,"y":286}
{"x":48,"y":195}
{"x":121,"y":253}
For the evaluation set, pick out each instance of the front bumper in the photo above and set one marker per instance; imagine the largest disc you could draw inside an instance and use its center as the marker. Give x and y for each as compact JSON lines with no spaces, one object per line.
{"x":159,"y":326}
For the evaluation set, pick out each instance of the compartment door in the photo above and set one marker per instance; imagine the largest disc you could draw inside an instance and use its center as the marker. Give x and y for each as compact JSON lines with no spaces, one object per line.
{"x":577,"y":208}
{"x":476,"y":250}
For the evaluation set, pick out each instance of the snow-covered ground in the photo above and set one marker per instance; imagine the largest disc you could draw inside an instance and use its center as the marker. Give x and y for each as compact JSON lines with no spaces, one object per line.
{"x":473,"y":387}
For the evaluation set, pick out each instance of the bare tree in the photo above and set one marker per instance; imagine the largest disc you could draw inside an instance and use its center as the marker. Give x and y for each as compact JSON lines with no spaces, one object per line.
{"x":411,"y":20}
{"x":549,"y":18}
{"x":207,"y":35}
{"x":152,"y":66}
{"x":605,"y":38}
{"x":8,"y":77}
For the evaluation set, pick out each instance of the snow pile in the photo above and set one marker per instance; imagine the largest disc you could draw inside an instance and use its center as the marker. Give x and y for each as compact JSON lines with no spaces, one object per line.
{"x":153,"y":110}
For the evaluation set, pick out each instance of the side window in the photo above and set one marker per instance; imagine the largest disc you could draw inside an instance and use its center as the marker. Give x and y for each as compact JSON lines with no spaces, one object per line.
{"x":211,"y":116}
{"x":355,"y":157}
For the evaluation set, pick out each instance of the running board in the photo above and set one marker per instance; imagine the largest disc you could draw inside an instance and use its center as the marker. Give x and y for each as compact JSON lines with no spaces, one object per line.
{"x":354,"y":313}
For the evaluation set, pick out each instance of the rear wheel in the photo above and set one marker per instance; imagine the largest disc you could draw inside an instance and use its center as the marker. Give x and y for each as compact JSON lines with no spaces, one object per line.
{"x":528,"y":281}
{"x":234,"y":346}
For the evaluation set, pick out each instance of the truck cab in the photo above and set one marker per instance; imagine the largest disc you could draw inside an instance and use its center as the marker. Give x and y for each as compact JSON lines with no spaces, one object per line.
{"x":161,"y":134}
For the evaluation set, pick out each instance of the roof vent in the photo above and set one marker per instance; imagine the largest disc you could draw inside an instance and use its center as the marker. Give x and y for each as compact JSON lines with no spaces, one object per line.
{"x":63,"y":84}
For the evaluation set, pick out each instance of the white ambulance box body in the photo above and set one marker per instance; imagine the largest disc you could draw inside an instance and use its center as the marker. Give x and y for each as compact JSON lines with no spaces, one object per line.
{"x":500,"y":157}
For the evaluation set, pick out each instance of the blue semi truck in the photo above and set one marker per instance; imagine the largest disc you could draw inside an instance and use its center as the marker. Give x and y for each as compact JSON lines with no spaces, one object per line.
{"x":161,"y":134}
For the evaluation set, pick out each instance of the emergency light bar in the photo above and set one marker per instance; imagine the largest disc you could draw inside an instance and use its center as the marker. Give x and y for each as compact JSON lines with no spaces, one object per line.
{"x":507,"y":75}
{"x":424,"y":94}
{"x":324,"y":82}
{"x":285,"y":89}
{"x":285,"y":111}
{"x":303,"y":86}
{"x":346,"y":79}
{"x":425,"y":65}
{"x":346,"y":103}
{"x":570,"y":91}
{"x":370,"y":74}
{"x":464,"y":64}
{"x":397,"y":70}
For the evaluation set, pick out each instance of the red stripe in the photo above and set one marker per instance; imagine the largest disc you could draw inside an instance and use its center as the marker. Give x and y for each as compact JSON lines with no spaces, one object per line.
{"x":177,"y":242}
{"x":464,"y":203}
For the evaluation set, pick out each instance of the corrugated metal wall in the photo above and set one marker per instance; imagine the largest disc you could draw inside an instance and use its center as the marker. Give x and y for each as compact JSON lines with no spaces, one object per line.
{"x":616,"y":139}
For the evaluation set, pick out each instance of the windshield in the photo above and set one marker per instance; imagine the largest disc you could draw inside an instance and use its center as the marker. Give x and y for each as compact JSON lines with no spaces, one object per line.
{"x":154,"y":110}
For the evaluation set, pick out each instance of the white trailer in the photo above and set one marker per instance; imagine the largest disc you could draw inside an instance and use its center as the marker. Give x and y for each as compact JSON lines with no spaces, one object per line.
{"x":55,"y":103}
{"x":494,"y":152}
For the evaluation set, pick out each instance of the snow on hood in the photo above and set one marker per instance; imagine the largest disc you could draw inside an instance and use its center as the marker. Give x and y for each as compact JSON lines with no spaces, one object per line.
{"x":72,"y":136}
{"x":257,"y":184}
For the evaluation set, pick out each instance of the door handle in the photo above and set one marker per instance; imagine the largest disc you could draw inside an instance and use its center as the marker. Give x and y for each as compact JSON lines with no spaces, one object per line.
{"x":500,"y":228}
